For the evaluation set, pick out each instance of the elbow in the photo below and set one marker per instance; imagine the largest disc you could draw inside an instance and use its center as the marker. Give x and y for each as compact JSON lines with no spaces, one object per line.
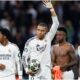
{"x":55,"y":21}
{"x":57,"y":24}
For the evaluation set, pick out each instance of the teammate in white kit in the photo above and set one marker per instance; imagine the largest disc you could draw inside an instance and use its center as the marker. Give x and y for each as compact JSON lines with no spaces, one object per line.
{"x":39,"y":47}
{"x":10,"y":59}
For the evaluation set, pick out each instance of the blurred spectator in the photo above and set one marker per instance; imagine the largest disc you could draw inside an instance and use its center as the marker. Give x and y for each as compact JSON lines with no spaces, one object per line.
{"x":13,"y":28}
{"x":4,"y":22}
{"x":59,"y":9}
{"x":79,"y":34}
{"x":32,"y":11}
{"x":70,"y":31}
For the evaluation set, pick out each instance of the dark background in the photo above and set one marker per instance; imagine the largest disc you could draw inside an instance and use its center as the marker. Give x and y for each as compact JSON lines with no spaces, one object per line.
{"x":22,"y":17}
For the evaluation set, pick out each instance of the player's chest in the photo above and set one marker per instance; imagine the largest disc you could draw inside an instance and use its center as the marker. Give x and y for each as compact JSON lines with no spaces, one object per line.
{"x":39,"y":46}
{"x":61,"y":51}
{"x":6,"y":53}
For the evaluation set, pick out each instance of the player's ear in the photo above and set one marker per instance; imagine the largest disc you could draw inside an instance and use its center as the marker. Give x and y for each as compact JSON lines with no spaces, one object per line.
{"x":47,"y":29}
{"x":5,"y":37}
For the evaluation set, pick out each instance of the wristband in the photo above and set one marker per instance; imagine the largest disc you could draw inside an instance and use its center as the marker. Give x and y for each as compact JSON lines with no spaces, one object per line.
{"x":51,"y":9}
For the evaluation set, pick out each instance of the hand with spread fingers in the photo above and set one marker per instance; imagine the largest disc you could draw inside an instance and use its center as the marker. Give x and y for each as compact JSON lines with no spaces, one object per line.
{"x":47,"y":3}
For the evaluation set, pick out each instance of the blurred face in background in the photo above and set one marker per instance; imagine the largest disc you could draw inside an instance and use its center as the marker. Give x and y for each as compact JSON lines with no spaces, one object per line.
{"x":41,"y":31}
{"x":60,"y":36}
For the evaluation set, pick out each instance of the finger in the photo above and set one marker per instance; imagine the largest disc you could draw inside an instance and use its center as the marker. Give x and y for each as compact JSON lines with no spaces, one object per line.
{"x":49,"y":0}
{"x":45,"y":1}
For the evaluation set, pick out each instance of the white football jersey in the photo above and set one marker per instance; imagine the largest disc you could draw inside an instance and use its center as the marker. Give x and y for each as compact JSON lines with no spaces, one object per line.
{"x":40,"y":49}
{"x":10,"y":57}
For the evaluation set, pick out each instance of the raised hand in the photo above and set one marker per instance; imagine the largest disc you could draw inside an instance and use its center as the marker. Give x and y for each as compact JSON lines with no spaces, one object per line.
{"x":47,"y":3}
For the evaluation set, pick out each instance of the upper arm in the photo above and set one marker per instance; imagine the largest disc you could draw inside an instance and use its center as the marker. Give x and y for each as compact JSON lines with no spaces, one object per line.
{"x":25,"y":55}
{"x":53,"y":28}
{"x":17,"y":54}
{"x":72,"y":53}
{"x":26,"y":50}
{"x":53,"y":56}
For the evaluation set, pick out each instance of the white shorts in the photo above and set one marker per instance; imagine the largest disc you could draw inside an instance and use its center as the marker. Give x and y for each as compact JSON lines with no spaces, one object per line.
{"x":11,"y":77}
{"x":78,"y":78}
{"x":68,"y":75}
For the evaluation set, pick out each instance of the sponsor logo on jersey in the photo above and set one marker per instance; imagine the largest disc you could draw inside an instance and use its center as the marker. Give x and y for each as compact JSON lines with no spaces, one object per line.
{"x":5,"y":56}
{"x":41,"y":48}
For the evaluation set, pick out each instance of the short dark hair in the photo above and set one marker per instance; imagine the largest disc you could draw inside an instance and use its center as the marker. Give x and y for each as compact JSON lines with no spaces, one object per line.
{"x":62,"y":29}
{"x":6,"y":33}
{"x":42,"y":24}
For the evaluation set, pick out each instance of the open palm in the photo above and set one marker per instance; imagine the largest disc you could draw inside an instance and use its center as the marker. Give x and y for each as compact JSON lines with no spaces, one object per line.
{"x":47,"y":3}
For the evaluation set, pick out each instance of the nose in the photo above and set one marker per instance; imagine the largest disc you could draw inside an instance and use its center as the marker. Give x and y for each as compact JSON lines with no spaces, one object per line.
{"x":40,"y":32}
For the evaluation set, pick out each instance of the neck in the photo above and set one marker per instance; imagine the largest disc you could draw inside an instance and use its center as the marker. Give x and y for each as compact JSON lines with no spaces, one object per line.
{"x":62,"y":43}
{"x":5,"y":42}
{"x":40,"y":38}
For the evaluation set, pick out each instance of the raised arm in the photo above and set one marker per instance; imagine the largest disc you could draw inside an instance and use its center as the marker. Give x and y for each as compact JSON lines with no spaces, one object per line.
{"x":55,"y":23}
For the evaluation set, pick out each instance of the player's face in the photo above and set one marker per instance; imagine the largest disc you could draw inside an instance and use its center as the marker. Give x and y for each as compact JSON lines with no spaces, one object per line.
{"x":1,"y":37}
{"x":60,"y":36}
{"x":41,"y":31}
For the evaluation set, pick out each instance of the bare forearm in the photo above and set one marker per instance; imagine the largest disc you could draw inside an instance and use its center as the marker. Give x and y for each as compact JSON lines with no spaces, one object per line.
{"x":69,"y":65}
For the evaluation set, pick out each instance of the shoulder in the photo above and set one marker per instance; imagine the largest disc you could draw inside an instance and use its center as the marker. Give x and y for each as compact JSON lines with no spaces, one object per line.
{"x":29,"y":40}
{"x":13,"y":46}
{"x":70,"y":47}
{"x":55,"y":46}
{"x":78,"y":48}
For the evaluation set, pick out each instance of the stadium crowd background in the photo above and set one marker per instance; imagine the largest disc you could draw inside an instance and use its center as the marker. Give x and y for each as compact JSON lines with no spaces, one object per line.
{"x":22,"y":17}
